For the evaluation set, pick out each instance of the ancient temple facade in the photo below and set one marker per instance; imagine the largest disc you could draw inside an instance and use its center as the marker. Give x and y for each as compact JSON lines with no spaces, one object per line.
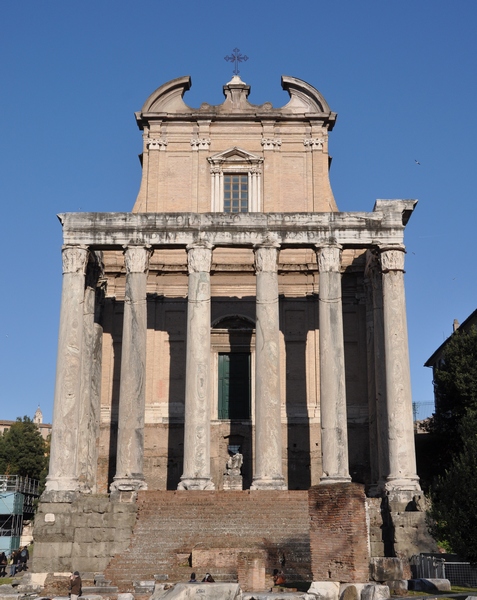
{"x":235,"y":310}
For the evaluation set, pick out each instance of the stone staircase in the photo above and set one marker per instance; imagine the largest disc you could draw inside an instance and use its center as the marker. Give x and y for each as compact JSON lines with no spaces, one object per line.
{"x":177,"y":532}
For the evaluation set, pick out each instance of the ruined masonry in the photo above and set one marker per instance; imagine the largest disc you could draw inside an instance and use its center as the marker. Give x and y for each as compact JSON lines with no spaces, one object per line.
{"x":233,"y":373}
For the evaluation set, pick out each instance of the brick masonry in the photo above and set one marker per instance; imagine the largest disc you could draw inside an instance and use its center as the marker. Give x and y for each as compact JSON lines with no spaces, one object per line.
{"x":338,"y":533}
{"x":320,"y":534}
{"x":184,"y":531}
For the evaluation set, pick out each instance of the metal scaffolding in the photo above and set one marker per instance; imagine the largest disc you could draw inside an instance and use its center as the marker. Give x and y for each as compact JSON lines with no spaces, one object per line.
{"x":17,"y":495}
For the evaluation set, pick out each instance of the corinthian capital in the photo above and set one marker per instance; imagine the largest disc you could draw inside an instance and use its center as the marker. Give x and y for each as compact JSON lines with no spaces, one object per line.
{"x":75,"y":259}
{"x":329,"y":258}
{"x":392,"y":259}
{"x":266,"y":258}
{"x":136,"y":259}
{"x":199,"y":257}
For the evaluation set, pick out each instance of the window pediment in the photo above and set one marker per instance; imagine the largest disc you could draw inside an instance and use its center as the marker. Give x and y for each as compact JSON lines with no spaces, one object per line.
{"x":236,"y":181}
{"x":235,"y":156}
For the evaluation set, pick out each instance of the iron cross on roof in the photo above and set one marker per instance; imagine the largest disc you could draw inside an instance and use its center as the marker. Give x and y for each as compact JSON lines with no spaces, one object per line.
{"x":237,"y":58}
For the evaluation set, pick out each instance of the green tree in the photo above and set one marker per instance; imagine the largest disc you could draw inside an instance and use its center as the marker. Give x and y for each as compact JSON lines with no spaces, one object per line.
{"x":23,"y":450}
{"x":454,"y":431}
{"x":455,"y":383}
{"x":454,"y":498}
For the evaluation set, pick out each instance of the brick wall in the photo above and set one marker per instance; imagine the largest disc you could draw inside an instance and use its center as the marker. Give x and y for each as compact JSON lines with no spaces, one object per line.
{"x":338,"y":533}
{"x":178,"y":532}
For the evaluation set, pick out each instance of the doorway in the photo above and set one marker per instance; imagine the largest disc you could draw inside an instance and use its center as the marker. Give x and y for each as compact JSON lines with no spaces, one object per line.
{"x":234,"y":385}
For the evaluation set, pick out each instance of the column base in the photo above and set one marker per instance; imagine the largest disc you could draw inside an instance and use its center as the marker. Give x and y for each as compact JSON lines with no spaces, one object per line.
{"x":61,"y":484}
{"x":196,"y":483}
{"x":330,"y":479}
{"x":233,"y":482}
{"x":127,"y":484}
{"x":262,"y":483}
{"x":59,"y":496}
{"x":402,"y":490}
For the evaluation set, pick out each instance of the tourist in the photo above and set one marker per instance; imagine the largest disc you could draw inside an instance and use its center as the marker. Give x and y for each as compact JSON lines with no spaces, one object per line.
{"x":23,"y":559}
{"x":14,"y":559}
{"x":75,"y":586}
{"x":3,"y":564}
{"x":208,"y":578}
{"x":192,"y":578}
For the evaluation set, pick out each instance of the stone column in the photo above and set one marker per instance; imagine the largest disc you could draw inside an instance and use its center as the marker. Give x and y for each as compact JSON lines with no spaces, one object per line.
{"x":371,"y":375}
{"x":402,"y":480}
{"x":62,"y":476}
{"x":196,"y":474}
{"x":268,"y":428}
{"x":88,"y":430}
{"x":377,"y":384}
{"x":130,"y":451}
{"x":334,"y":426}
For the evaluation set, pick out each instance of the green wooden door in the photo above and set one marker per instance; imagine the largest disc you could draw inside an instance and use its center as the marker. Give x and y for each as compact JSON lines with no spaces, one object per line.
{"x":234,"y":385}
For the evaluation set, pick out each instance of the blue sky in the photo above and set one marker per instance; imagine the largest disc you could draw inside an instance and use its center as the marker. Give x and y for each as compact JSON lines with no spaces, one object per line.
{"x":401,"y":74}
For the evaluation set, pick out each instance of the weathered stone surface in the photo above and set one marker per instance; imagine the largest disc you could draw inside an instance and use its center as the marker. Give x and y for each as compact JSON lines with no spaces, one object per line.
{"x":196,"y":474}
{"x":278,"y":596}
{"x":268,"y":440}
{"x":397,"y":587}
{"x":62,"y":475}
{"x":92,"y":535}
{"x":334,"y":435}
{"x":375,"y":592}
{"x":385,"y":568}
{"x":351,"y":591}
{"x":212,"y":591}
{"x":126,"y":596}
{"x":383,"y":226}
{"x":130,"y":449}
{"x":325,"y":590}
{"x":429,"y":585}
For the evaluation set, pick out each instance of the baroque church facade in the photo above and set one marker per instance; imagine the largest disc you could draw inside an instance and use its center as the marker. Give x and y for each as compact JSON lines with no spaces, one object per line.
{"x":235,"y":310}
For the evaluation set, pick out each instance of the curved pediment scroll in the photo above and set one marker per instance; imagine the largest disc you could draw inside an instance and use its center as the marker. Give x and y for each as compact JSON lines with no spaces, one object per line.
{"x":304,"y":98}
{"x":168,"y":97}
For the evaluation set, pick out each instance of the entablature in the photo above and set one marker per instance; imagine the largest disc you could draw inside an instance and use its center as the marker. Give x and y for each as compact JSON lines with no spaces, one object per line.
{"x":382,"y":227}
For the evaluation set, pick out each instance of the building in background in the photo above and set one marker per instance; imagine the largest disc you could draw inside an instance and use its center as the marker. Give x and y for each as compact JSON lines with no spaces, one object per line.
{"x":44,"y":428}
{"x":435,"y":360}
